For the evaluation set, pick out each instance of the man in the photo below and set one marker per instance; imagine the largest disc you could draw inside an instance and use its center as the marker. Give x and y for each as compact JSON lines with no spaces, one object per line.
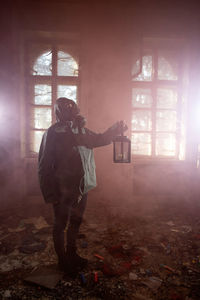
{"x":67,"y":173}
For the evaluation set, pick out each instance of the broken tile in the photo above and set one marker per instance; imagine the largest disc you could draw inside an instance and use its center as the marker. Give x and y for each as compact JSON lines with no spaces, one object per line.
{"x":46,"y":277}
{"x":153,"y":282}
{"x":133,"y":276}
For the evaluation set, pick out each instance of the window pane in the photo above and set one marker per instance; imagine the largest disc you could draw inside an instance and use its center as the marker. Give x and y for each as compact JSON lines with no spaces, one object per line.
{"x":42,"y":94}
{"x":36,"y":138}
{"x":147,"y":68}
{"x":67,"y":66}
{"x":141,"y":143}
{"x":165,"y":144}
{"x":166,"y":98}
{"x":141,"y":97}
{"x":167,"y":66}
{"x":141,"y":120}
{"x":43,"y":64}
{"x":166,"y":121}
{"x":41,"y":118}
{"x":68,"y":91}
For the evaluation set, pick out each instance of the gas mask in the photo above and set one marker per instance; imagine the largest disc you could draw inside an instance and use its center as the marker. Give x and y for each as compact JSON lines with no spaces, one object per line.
{"x":67,"y":110}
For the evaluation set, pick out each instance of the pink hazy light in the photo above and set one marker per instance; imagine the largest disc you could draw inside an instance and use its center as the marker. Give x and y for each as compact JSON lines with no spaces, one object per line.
{"x":4,"y":116}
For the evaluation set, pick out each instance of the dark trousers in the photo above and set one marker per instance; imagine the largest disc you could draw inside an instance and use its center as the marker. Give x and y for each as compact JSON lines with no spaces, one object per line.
{"x":71,"y":212}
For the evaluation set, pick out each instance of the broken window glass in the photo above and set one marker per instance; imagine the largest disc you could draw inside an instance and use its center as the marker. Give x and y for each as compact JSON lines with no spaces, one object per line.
{"x":67,"y":66}
{"x":68,"y":91}
{"x":42,"y":94}
{"x":141,"y":120}
{"x":166,"y":120}
{"x":36,"y":138}
{"x":165,"y":144}
{"x":41,"y":118}
{"x":147,"y":69}
{"x":167,"y":65}
{"x":141,"y":143}
{"x":141,"y":97}
{"x":166,"y":98}
{"x":43,"y":65}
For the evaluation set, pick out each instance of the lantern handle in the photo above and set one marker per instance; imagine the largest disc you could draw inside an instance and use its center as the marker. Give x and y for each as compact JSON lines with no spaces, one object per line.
{"x":123,"y":127}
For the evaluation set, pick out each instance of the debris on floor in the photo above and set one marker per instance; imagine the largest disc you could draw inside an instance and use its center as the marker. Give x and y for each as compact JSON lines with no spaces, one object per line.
{"x":139,"y":256}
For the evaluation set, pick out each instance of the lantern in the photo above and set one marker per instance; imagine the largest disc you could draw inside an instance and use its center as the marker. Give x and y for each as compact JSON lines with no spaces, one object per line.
{"x":121,"y":149}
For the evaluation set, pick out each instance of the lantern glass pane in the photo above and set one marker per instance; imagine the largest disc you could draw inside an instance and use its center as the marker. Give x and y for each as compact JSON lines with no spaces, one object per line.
{"x":122,"y":151}
{"x":118,"y":151}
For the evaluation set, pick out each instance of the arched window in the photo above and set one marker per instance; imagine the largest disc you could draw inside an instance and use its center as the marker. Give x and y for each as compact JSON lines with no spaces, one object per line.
{"x":158,"y":126}
{"x":53,"y":73}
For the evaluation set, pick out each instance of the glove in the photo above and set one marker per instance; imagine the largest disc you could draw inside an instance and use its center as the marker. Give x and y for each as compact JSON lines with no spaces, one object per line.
{"x":119,"y":128}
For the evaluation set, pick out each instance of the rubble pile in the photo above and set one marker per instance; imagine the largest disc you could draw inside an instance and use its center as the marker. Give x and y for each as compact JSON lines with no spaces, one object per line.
{"x":135,"y":256}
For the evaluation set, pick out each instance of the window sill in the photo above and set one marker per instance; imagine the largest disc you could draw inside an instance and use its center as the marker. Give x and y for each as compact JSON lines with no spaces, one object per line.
{"x":157,"y":161}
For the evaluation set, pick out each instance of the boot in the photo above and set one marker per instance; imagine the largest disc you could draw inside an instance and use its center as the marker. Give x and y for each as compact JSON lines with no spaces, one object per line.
{"x":73,"y":260}
{"x":62,"y":265}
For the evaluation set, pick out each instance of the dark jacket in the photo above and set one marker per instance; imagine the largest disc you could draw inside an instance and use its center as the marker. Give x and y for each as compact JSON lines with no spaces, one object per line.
{"x":60,"y":166}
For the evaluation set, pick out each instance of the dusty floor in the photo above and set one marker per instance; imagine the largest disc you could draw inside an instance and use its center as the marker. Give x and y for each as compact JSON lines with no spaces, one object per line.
{"x":147,"y":251}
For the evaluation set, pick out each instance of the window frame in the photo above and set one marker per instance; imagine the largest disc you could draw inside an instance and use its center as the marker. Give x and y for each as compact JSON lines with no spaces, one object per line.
{"x":153,"y":46}
{"x":67,"y":46}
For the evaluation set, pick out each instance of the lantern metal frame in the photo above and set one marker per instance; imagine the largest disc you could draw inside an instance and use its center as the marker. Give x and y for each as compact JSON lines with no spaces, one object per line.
{"x":122,"y":139}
